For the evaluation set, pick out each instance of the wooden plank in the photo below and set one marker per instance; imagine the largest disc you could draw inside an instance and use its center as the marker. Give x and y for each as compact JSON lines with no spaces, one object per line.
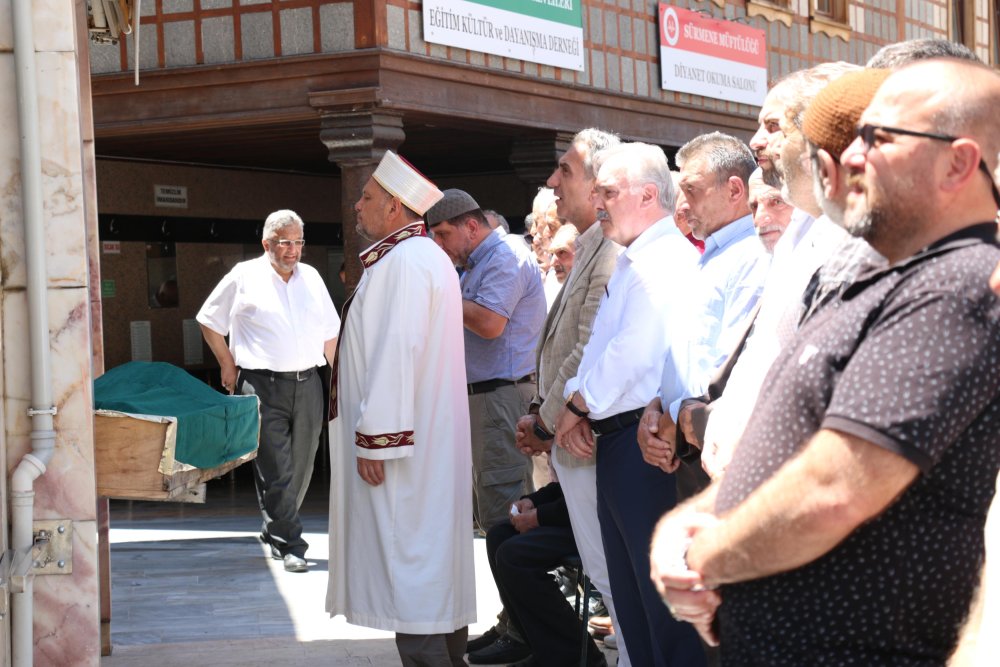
{"x":127,"y":459}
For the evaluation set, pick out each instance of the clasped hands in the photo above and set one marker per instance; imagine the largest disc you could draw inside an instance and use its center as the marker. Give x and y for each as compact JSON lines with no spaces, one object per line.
{"x":526,"y":517}
{"x":525,"y":439}
{"x":683,"y":590}
{"x":656,"y":438}
{"x":574,"y":435}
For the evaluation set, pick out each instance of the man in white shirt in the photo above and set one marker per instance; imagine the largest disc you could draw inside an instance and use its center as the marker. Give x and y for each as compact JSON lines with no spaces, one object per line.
{"x":618,"y":374}
{"x":282,"y":326}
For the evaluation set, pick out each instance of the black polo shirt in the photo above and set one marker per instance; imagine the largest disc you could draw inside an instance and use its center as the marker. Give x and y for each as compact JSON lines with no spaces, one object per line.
{"x":909,"y":360}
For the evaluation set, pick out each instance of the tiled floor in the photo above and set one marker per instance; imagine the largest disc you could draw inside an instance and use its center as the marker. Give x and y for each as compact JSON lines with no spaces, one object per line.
{"x":191,"y":585}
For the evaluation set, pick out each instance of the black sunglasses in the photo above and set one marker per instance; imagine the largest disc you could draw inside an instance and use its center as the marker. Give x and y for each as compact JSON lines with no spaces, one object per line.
{"x":867,"y":134}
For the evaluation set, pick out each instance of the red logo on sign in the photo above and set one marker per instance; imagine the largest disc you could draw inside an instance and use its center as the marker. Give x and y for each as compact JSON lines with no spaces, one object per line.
{"x":671,"y":26}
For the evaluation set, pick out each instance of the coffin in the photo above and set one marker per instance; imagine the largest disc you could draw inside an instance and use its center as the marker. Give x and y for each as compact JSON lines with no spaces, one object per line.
{"x":160,"y":434}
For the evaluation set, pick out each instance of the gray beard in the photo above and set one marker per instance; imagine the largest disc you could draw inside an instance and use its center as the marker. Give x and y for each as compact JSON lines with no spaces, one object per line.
{"x":772,"y":177}
{"x":865,"y":226}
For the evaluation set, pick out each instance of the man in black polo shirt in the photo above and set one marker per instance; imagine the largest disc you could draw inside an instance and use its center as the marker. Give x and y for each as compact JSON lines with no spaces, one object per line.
{"x":848,"y":527}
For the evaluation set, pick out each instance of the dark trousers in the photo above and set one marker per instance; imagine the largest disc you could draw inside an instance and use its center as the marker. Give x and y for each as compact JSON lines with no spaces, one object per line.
{"x":631,"y":497}
{"x":521,"y":564}
{"x":441,"y":650}
{"x":291,"y":416}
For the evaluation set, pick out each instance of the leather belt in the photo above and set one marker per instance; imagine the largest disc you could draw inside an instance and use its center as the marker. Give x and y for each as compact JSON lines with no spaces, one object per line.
{"x":487,"y":386}
{"x":616,"y":422}
{"x":298,"y":376}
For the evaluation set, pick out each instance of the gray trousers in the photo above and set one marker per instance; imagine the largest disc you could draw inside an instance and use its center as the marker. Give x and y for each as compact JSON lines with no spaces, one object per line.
{"x":444,"y":650}
{"x":291,"y":417}
{"x":500,"y":473}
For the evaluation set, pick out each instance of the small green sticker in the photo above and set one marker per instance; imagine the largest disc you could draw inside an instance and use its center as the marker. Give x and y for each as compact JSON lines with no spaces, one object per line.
{"x":107,"y":289}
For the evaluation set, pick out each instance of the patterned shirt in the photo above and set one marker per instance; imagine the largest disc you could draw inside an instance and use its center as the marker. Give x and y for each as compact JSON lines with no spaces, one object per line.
{"x":907,"y":359}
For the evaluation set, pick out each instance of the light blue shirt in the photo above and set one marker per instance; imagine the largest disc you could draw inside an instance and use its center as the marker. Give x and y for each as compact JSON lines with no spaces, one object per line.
{"x":640,"y":315}
{"x":504,"y":278}
{"x":730,"y":278}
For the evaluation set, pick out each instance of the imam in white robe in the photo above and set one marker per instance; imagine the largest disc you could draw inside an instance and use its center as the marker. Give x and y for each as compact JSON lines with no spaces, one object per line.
{"x":401,"y":554}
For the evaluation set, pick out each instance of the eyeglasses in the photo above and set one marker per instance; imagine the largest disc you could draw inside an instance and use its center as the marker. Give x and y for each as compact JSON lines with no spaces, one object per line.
{"x":867,"y":134}
{"x":285,"y":244}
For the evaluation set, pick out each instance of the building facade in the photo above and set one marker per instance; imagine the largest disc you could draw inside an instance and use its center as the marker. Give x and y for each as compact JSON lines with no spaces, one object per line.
{"x":152,"y":191}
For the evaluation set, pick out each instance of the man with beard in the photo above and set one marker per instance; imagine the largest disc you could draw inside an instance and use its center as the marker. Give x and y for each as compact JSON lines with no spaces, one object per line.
{"x":282,"y":326}
{"x":503,"y":308}
{"x":807,"y":242}
{"x":400,"y":549}
{"x":848,"y":527}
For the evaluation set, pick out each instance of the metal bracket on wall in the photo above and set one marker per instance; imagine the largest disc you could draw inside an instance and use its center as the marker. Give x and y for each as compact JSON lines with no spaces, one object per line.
{"x":52,"y":552}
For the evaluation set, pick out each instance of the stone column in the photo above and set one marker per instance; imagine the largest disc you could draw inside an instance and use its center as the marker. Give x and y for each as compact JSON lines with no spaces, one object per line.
{"x":356,"y":141}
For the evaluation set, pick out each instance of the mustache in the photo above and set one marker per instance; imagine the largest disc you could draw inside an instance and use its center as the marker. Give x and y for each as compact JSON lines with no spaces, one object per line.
{"x":602,"y":215}
{"x":855,"y":180}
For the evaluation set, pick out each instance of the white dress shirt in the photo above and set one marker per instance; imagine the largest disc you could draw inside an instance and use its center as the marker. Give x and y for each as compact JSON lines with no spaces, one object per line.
{"x":272,"y":325}
{"x":637,"y":320}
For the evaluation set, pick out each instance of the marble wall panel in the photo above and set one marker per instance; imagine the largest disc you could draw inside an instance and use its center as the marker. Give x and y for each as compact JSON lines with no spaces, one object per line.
{"x":69,"y":340}
{"x":55,"y":25}
{"x":61,"y":174}
{"x":67,"y":618}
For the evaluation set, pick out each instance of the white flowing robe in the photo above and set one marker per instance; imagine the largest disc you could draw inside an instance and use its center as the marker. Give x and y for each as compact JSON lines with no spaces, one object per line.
{"x":401,"y":556}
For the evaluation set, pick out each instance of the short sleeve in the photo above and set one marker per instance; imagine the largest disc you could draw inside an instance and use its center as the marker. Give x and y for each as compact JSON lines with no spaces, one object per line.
{"x":925,"y":370}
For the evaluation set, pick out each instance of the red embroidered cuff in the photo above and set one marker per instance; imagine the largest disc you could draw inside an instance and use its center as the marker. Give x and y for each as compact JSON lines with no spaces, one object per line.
{"x":383,"y":440}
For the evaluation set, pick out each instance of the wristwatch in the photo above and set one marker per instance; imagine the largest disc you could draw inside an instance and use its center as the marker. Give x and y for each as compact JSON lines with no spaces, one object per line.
{"x":575,"y":410}
{"x":540,"y":432}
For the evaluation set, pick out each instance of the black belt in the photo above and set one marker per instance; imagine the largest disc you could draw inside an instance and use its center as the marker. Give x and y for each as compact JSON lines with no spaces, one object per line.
{"x":487,"y":386}
{"x":616,"y":422}
{"x":298,"y":376}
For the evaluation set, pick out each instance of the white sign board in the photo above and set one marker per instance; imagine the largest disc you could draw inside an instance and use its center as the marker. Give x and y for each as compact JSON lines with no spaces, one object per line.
{"x":170,"y":196}
{"x":549,"y":32}
{"x":710,"y":57}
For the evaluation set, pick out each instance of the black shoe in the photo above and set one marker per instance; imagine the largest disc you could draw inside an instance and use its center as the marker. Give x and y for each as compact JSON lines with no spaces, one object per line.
{"x":503,"y":651}
{"x":527,"y":662}
{"x":483,"y":641}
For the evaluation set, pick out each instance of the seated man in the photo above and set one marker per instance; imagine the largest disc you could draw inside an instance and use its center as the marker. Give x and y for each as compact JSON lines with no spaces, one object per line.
{"x":521,"y":553}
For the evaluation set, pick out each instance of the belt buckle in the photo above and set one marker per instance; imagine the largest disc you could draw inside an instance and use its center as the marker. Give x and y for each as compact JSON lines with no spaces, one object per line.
{"x":300,"y":375}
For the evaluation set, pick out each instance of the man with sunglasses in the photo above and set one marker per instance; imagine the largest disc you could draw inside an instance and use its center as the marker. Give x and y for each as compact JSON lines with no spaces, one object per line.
{"x":848,"y":528}
{"x":282,"y":327}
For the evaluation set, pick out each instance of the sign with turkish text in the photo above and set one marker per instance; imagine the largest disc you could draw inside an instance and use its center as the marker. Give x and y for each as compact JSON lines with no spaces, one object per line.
{"x":170,"y":196}
{"x":705,"y":56}
{"x":549,"y":32}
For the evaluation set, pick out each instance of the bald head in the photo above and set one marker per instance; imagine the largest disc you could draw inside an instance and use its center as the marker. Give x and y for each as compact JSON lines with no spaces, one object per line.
{"x":908,"y":189}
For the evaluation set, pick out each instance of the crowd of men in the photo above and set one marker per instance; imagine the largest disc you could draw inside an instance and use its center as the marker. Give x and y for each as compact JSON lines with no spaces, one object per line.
{"x":768,"y":389}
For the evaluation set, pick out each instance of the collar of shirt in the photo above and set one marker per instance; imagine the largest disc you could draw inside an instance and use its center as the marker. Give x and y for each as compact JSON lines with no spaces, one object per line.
{"x":737,"y":230}
{"x":982,"y":232}
{"x":484,"y":248}
{"x":660,"y":228}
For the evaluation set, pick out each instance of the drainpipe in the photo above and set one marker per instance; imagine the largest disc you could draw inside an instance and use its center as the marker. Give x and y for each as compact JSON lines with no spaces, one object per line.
{"x":42,"y":410}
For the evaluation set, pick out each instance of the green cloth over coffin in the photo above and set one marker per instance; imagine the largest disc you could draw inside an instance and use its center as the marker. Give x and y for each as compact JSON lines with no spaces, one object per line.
{"x":212,"y":428}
